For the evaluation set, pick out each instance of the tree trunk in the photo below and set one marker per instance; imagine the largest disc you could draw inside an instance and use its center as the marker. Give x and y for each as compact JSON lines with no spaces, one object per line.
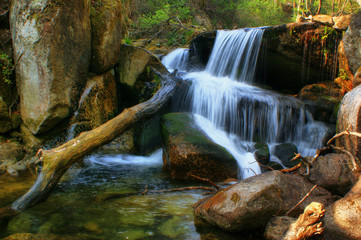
{"x":58,"y":160}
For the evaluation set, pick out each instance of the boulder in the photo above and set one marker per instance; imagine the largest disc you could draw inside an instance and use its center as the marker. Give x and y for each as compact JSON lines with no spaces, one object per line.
{"x":277,"y":227}
{"x":342,"y":22}
{"x":333,"y":172}
{"x":53,"y":39}
{"x":98,"y":102}
{"x":5,"y":122}
{"x":352,"y":42}
{"x":106,"y":21}
{"x":344,"y":81}
{"x":11,"y":152}
{"x":262,"y":154}
{"x":291,"y":54}
{"x":252,"y":202}
{"x":187,"y":150}
{"x":137,"y":81}
{"x":343,"y":218}
{"x":349,"y":118}
{"x":285,"y":152}
{"x":200,"y":50}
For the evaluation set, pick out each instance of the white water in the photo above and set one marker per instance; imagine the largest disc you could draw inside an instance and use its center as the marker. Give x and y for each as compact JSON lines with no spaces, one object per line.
{"x":234,"y":113}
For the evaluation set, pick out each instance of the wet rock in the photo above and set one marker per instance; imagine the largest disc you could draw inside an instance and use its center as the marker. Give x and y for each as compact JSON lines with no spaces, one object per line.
{"x":343,"y":218}
{"x":287,"y":50}
{"x":138,"y":83}
{"x":262,"y":153}
{"x":342,"y":22}
{"x":334,"y":173}
{"x":5,"y":123}
{"x":285,"y":152}
{"x":352,"y":43}
{"x":17,"y":169}
{"x":349,"y":118}
{"x":107,"y":21}
{"x":53,"y":39}
{"x":187,"y":150}
{"x":200,"y":50}
{"x":273,"y":166}
{"x":277,"y":227}
{"x":98,"y":102}
{"x":253,"y":201}
{"x":122,"y":144}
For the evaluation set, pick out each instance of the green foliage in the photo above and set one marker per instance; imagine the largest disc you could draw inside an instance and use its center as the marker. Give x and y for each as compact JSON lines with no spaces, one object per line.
{"x":6,"y":67}
{"x":343,"y":74}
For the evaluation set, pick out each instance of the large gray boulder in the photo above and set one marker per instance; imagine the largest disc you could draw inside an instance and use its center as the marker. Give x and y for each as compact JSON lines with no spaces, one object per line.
{"x":349,"y":118}
{"x":107,"y":21}
{"x":352,"y":43}
{"x":52,"y":41}
{"x":250,"y":203}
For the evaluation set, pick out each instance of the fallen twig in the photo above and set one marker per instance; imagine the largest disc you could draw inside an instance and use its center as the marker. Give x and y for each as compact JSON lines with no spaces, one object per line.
{"x":356,"y":167}
{"x":303,"y":199}
{"x":206,"y":180}
{"x":154,"y":36}
{"x":342,"y":134}
{"x":288,"y":170}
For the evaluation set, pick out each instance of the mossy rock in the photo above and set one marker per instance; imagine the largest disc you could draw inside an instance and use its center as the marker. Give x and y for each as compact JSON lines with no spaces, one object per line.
{"x":187,"y":150}
{"x":262,"y":153}
{"x":285,"y":152}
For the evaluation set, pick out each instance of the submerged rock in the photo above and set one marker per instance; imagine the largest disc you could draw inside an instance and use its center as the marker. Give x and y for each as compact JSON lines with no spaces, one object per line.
{"x":187,"y":150}
{"x":250,"y":203}
{"x":53,"y":40}
{"x":33,"y":236}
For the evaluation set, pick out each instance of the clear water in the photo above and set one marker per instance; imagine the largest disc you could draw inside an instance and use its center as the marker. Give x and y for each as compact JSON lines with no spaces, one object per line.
{"x":233,"y":112}
{"x":102,"y":200}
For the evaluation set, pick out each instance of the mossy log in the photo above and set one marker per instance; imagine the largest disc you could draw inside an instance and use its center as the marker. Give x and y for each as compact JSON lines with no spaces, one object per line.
{"x":58,"y":160}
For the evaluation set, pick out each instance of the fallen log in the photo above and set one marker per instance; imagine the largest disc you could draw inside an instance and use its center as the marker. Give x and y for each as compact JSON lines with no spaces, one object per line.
{"x":58,"y":160}
{"x":308,"y":224}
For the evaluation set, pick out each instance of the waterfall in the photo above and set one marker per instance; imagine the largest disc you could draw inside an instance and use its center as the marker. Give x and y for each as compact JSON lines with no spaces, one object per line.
{"x":235,"y":114}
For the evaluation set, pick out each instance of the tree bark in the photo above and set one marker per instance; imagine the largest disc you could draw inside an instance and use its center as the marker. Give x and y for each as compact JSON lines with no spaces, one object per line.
{"x":58,"y":160}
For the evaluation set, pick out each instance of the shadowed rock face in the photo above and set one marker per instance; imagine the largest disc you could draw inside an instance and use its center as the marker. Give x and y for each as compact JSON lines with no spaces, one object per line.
{"x":186,"y":150}
{"x":107,"y":22}
{"x":343,"y":218}
{"x":53,"y":40}
{"x":349,"y":117}
{"x":252,"y":202}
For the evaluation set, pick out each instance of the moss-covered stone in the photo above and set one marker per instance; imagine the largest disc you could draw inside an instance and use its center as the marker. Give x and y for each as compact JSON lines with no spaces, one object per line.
{"x":262,"y":153}
{"x":187,"y":150}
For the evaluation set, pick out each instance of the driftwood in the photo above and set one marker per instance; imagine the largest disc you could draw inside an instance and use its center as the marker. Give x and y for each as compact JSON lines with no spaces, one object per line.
{"x":308,"y":224}
{"x":58,"y":160}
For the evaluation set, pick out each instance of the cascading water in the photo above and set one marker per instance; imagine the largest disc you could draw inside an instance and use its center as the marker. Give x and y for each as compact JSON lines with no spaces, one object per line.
{"x":234,"y":113}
